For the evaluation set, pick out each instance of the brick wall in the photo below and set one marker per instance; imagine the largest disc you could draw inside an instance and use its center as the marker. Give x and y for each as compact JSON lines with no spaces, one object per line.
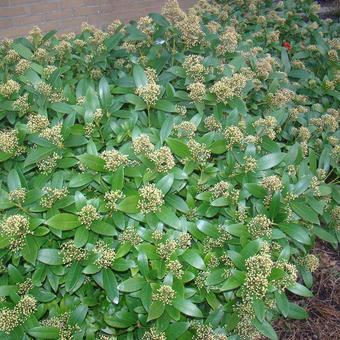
{"x":18,"y":16}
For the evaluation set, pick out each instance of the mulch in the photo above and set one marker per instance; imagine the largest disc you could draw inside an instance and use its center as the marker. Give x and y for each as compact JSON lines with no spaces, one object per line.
{"x":323,"y":308}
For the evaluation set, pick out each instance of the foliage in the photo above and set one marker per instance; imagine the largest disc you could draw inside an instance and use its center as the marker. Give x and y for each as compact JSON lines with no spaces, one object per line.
{"x":167,"y":179}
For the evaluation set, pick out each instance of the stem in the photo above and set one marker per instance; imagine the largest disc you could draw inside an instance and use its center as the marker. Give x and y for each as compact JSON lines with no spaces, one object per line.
{"x":149,"y":117}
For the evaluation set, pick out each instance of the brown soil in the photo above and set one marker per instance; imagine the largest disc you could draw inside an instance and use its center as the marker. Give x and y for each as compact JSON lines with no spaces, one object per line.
{"x":323,"y":308}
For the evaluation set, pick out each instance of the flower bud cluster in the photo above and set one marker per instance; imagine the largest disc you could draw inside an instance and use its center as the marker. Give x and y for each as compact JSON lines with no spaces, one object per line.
{"x":164,"y":294}
{"x":272,"y":183}
{"x":130,"y":235}
{"x":149,"y":93}
{"x":87,"y":215}
{"x":9,"y":141}
{"x":70,"y":253}
{"x":111,"y":198}
{"x":37,"y":123}
{"x":256,"y":283}
{"x":52,"y":195}
{"x":185,"y":129}
{"x":9,"y":88}
{"x":191,"y":31}
{"x":289,"y":278}
{"x":16,"y":228}
{"x":114,"y":159}
{"x":205,"y":332}
{"x":17,"y":196}
{"x":233,"y":135}
{"x":21,"y":104}
{"x":154,"y":334}
{"x":199,"y":152}
{"x":226,"y":88}
{"x":142,"y":145}
{"x":260,"y":226}
{"x":197,"y":91}
{"x":267,"y":126}
{"x":53,"y":135}
{"x":106,"y":254}
{"x":163,"y":159}
{"x":229,"y":41}
{"x":212,"y":124}
{"x":48,"y":164}
{"x":150,"y":199}
{"x":194,"y":68}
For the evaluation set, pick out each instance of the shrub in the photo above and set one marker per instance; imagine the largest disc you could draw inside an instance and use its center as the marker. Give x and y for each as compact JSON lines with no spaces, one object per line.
{"x":168,"y":178}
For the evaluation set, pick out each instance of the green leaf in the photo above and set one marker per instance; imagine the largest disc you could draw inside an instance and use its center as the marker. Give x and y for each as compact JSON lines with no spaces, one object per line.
{"x":128,"y":205}
{"x":110,"y":285}
{"x":218,"y":147}
{"x":165,"y":183}
{"x":38,"y":154}
{"x":168,"y":216}
{"x":256,"y":190}
{"x":22,"y":50}
{"x":7,"y":290}
{"x":178,"y":147}
{"x":285,"y":60}
{"x":78,"y":315}
{"x":103,"y":228}
{"x":165,"y":105}
{"x":193,"y":257}
{"x":296,"y":232}
{"x":187,"y":307}
{"x":282,"y":303}
{"x":80,"y":180}
{"x":63,"y":221}
{"x":300,"y":74}
{"x":300,"y":290}
{"x":306,"y":213}
{"x":265,"y":328}
{"x":260,"y":309}
{"x":135,"y":100}
{"x":63,"y":108}
{"x":325,"y":235}
{"x":156,"y":310}
{"x":296,"y":312}
{"x":165,"y":129}
{"x":139,"y":76}
{"x":176,"y":329}
{"x":270,"y":161}
{"x":104,"y":93}
{"x":30,"y":250}
{"x":93,"y":162}
{"x":44,"y":332}
{"x":233,"y":282}
{"x":132,"y":284}
{"x":13,"y":180}
{"x":73,"y":277}
{"x":117,"y":181}
{"x":50,"y":256}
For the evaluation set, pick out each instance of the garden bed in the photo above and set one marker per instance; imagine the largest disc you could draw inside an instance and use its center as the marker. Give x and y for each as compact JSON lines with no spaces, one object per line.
{"x":173,"y":178}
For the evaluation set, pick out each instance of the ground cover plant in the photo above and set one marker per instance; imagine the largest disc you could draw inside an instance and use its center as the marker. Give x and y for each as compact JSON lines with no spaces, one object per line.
{"x":168,"y":179}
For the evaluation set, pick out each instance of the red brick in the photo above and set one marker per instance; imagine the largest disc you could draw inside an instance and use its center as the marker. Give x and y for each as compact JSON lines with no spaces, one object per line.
{"x":93,"y":10}
{"x":12,"y":11}
{"x":23,"y":2}
{"x":28,"y":20}
{"x":14,"y":32}
{"x":56,"y":15}
{"x":44,"y":7}
{"x":5,"y":23}
{"x":4,"y":3}
{"x":67,"y":15}
{"x":71,"y":3}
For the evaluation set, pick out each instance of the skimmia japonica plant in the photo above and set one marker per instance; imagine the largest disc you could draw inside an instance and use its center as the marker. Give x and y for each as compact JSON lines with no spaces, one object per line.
{"x":168,"y":179}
